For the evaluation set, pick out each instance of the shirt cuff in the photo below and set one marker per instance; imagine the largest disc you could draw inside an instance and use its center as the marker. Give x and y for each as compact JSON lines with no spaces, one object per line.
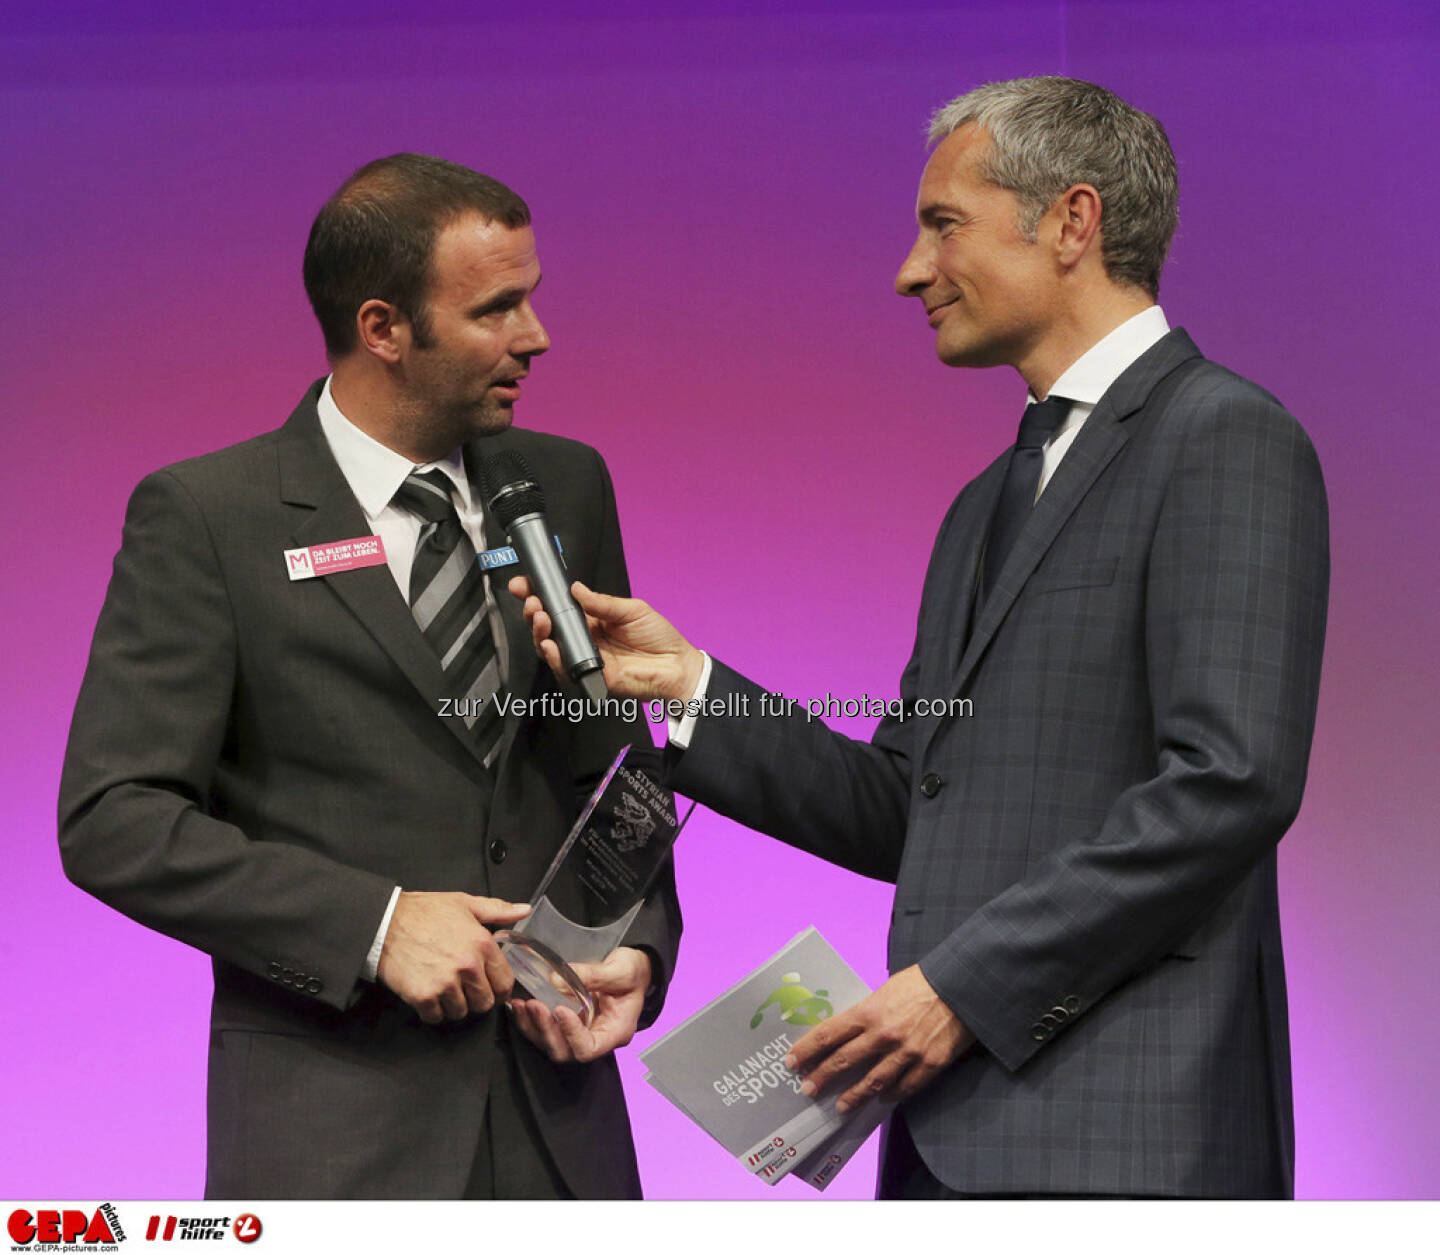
{"x":372,"y":960}
{"x":681,"y":730}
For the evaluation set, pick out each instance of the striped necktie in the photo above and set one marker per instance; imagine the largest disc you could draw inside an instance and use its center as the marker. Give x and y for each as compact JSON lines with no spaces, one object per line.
{"x":452,"y":607}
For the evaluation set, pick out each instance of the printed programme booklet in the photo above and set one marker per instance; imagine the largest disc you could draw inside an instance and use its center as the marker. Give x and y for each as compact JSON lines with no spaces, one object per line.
{"x":724,"y":1067}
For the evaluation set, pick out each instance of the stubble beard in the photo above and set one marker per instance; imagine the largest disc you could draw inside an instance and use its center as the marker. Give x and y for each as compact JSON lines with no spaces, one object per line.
{"x":439,"y":431}
{"x":488,"y":418}
{"x":979,"y":348}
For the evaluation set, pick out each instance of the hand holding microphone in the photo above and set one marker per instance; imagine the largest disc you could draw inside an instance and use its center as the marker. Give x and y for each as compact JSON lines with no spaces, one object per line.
{"x":644,"y":655}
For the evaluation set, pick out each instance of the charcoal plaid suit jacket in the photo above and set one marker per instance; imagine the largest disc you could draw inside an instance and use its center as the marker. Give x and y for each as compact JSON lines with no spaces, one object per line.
{"x":1085,"y":865}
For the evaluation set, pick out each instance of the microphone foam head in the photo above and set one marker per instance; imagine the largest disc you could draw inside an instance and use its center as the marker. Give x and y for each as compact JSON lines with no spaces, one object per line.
{"x":509,"y":487}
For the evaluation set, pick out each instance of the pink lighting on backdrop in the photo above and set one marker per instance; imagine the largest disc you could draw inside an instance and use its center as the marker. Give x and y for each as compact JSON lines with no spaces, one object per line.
{"x":721,"y":202}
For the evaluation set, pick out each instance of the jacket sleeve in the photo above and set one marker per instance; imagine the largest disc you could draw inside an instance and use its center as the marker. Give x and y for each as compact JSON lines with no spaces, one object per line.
{"x":783,"y":772}
{"x":148,"y":732}
{"x":787,"y":774}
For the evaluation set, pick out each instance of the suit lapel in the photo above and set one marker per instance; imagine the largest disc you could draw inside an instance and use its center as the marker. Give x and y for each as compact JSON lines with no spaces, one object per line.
{"x":1103,"y":436}
{"x":969,"y":527}
{"x":1097,"y":443}
{"x":310,"y":479}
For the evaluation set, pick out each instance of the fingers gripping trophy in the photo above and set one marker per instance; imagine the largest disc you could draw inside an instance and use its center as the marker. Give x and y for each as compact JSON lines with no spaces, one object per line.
{"x":614,"y":852}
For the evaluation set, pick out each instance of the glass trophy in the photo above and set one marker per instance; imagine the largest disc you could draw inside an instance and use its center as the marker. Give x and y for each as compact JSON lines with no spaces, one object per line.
{"x":613,"y":854}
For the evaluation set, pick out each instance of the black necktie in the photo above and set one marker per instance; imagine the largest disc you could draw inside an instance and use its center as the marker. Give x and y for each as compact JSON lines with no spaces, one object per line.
{"x":1022,"y":478}
{"x":451,"y":606}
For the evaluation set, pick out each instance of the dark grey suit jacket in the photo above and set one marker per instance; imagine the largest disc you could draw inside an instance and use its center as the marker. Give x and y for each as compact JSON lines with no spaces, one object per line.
{"x":254,"y":763}
{"x":1085,"y":867}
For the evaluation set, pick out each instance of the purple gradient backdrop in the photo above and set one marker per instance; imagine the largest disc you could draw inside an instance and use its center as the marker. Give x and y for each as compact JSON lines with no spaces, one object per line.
{"x":721,"y":202}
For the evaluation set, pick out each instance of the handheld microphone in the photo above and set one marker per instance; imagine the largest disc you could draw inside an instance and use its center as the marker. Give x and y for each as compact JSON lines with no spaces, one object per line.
{"x":514,"y":497}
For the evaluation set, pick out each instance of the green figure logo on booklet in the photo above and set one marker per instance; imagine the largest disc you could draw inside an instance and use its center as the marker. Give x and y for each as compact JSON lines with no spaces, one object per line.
{"x":797,"y":1004}
{"x":612,"y":856}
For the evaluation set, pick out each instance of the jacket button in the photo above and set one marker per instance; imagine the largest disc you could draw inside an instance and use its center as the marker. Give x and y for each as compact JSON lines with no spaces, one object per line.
{"x":1039,"y":1032}
{"x":930,"y":784}
{"x":272,"y":970}
{"x":498,"y":851}
{"x":1072,"y":1004}
{"x":314,"y":985}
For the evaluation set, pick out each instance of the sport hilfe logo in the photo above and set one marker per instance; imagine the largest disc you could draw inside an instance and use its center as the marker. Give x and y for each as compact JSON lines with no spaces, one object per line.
{"x":246,"y":1228}
{"x":760,"y":1156}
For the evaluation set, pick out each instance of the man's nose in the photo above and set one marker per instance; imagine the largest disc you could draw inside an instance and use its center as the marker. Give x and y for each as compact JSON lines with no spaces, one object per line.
{"x":917,"y":271}
{"x":532,"y":339}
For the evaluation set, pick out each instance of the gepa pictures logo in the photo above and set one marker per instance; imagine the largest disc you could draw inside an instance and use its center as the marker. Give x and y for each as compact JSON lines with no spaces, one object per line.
{"x":71,"y":1227}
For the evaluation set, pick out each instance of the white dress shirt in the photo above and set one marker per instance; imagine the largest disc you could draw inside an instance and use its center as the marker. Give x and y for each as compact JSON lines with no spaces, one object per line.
{"x":375,"y":474}
{"x":1090,"y":375}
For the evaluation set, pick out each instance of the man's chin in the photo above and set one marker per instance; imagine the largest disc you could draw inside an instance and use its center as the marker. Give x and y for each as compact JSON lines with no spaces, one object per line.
{"x":952,"y":355}
{"x":491,"y":421}
{"x":969,"y":354}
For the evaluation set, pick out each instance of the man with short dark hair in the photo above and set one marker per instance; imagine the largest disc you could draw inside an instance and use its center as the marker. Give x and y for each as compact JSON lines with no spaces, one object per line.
{"x":316,"y":781}
{"x":1088,"y":995}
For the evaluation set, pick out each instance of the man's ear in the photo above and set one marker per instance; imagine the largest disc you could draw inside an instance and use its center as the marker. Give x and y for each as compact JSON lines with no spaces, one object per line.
{"x":382,"y":330}
{"x":1079,"y":211}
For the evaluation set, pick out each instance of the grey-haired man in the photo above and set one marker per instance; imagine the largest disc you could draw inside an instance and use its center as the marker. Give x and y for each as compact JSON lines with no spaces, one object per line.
{"x":1088,"y":995}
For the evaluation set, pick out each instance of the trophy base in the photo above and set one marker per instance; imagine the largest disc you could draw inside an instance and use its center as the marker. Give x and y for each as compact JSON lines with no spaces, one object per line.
{"x":545,"y":976}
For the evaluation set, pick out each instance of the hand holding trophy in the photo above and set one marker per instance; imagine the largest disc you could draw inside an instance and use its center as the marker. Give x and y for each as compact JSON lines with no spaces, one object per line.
{"x":614,"y":852}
